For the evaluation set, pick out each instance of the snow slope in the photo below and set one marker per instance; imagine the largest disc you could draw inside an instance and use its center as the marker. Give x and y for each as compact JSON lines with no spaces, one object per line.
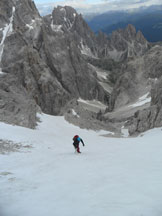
{"x":142,"y":100}
{"x":112,"y":176}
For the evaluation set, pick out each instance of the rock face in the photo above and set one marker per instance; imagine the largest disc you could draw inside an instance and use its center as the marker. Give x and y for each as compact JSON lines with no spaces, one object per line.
{"x":152,"y":116}
{"x":130,"y":85}
{"x":16,"y":105}
{"x":41,"y":62}
{"x":45,"y":64}
{"x":138,"y":77}
{"x":63,"y":54}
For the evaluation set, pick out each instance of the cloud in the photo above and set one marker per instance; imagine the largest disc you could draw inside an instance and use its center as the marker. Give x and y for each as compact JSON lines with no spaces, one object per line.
{"x":80,"y":5}
{"x":73,"y":3}
{"x":105,"y":5}
{"x":129,"y":4}
{"x":132,"y":2}
{"x":46,"y":8}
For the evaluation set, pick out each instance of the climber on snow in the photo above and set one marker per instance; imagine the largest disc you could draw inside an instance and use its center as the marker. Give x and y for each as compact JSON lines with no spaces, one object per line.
{"x":76,"y":142}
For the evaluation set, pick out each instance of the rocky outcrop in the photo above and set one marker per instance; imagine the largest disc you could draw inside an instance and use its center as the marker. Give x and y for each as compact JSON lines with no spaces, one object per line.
{"x":130,"y":84}
{"x":137,"y":78}
{"x":152,"y":116}
{"x":68,"y":21}
{"x":122,"y":44}
{"x":16,"y":105}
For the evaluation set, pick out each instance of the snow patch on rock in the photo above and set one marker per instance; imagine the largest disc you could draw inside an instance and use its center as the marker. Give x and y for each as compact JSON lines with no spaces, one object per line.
{"x":1,"y":72}
{"x":124,"y":132}
{"x":56,"y":28}
{"x":8,"y":29}
{"x":94,"y":103}
{"x":75,"y":114}
{"x":85,"y":50}
{"x":30,"y":26}
{"x":142,"y":100}
{"x":115,"y":54}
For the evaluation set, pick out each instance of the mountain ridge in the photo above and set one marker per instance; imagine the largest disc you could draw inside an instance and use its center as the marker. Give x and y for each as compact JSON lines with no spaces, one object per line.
{"x":144,"y":19}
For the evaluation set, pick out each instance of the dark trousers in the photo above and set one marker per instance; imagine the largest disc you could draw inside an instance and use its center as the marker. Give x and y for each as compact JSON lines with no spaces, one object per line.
{"x":76,"y":146}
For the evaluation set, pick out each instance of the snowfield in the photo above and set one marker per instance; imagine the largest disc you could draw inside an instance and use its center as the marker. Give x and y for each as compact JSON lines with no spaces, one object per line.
{"x":112,"y":176}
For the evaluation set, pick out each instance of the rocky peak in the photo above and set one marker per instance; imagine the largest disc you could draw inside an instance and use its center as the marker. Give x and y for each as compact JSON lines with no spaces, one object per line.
{"x":63,"y":18}
{"x":129,"y":32}
{"x":126,"y":43}
{"x":102,"y":38}
{"x":67,"y":21}
{"x":140,"y":38}
{"x":128,"y":36}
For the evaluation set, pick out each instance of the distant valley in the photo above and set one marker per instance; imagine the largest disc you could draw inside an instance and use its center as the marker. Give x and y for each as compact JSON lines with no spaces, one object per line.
{"x":147,"y":20}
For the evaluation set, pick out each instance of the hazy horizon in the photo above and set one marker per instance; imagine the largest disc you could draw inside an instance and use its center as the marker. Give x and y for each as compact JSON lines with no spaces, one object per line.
{"x":94,"y":6}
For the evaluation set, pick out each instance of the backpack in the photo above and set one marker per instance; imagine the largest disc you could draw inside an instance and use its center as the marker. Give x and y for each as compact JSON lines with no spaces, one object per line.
{"x":75,"y":137}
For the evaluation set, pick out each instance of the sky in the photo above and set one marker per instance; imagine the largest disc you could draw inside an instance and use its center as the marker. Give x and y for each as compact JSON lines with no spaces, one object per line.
{"x":95,"y":6}
{"x":87,"y":1}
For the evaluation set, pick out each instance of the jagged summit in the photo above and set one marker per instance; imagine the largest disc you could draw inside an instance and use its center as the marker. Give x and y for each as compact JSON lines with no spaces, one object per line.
{"x":66,"y":20}
{"x":63,"y":18}
{"x":122,"y":44}
{"x":130,"y":31}
{"x":130,"y":34}
{"x":126,"y":43}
